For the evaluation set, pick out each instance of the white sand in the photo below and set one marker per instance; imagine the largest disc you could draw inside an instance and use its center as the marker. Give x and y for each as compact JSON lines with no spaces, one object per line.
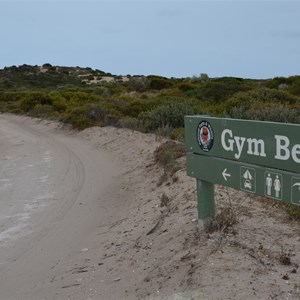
{"x":95,"y":228}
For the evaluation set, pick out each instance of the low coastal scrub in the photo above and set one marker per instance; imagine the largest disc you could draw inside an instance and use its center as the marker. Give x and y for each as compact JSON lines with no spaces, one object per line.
{"x":166,"y":155}
{"x":84,"y":97}
{"x":292,"y":211}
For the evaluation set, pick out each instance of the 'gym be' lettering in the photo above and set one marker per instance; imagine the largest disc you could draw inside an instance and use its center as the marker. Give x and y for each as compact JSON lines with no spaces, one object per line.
{"x":257,"y":147}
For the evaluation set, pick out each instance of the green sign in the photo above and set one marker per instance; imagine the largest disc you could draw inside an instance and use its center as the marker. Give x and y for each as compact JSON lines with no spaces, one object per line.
{"x":273,"y":183}
{"x":274,"y":145}
{"x":262,"y":158}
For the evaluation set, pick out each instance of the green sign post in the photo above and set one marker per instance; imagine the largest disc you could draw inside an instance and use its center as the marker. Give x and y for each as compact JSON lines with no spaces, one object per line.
{"x":262,"y":158}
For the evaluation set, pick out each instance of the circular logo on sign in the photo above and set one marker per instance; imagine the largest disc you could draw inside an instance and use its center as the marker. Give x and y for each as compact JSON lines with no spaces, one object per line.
{"x":205,"y":136}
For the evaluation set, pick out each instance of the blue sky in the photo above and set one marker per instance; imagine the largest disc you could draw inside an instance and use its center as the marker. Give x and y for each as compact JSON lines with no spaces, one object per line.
{"x":249,"y":39}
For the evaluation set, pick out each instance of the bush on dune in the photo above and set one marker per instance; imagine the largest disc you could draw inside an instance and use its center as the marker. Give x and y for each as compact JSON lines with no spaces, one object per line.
{"x":265,"y":105}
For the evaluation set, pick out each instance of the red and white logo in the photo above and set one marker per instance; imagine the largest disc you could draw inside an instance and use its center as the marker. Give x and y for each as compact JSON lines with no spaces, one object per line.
{"x":205,"y":136}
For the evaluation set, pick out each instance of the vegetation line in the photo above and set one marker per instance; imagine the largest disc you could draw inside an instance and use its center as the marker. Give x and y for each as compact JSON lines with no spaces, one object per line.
{"x":84,"y":97}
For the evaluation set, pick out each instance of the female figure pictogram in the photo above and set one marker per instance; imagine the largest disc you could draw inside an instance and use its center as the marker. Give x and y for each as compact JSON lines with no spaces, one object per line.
{"x":277,"y":186}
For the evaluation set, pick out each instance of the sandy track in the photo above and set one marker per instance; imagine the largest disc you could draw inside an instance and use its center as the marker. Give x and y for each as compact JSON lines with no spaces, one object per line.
{"x":82,"y":217}
{"x":54,"y":193}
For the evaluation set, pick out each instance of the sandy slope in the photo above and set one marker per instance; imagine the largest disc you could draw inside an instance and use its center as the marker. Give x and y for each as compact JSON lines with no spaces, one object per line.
{"x":101,"y":232}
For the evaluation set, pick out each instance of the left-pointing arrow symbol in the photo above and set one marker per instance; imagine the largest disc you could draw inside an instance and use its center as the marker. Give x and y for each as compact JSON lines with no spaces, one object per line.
{"x":225,"y":175}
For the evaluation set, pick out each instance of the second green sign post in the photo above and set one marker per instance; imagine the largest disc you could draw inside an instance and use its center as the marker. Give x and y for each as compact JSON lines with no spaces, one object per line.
{"x":262,"y":158}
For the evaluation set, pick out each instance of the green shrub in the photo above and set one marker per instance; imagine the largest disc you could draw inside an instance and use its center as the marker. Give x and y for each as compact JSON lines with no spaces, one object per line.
{"x":274,"y":112}
{"x":136,"y":107}
{"x":187,"y":86}
{"x":10,"y":96}
{"x":164,"y":131}
{"x":177,"y":134}
{"x":168,"y":152}
{"x":78,"y":118}
{"x":166,"y":155}
{"x":79,"y":98}
{"x":262,"y":95}
{"x":32,"y":99}
{"x":96,"y":113}
{"x":276,"y":82}
{"x":264,"y":104}
{"x":290,"y":84}
{"x":41,"y":111}
{"x":111,"y":120}
{"x":102,"y":91}
{"x":92,"y":114}
{"x":139,"y":84}
{"x":129,"y":122}
{"x":167,"y":115}
{"x":9,"y":107}
{"x":221,"y":89}
{"x":59,"y":103}
{"x":294,"y":87}
{"x":81,"y":122}
{"x":159,"y":83}
{"x":292,"y":211}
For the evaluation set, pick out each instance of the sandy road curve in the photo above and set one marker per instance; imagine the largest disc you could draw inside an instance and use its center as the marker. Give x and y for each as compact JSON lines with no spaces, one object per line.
{"x":55,"y":190}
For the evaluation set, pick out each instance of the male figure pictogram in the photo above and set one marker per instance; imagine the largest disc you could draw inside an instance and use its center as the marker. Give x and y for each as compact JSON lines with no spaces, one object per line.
{"x":269,"y":184}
